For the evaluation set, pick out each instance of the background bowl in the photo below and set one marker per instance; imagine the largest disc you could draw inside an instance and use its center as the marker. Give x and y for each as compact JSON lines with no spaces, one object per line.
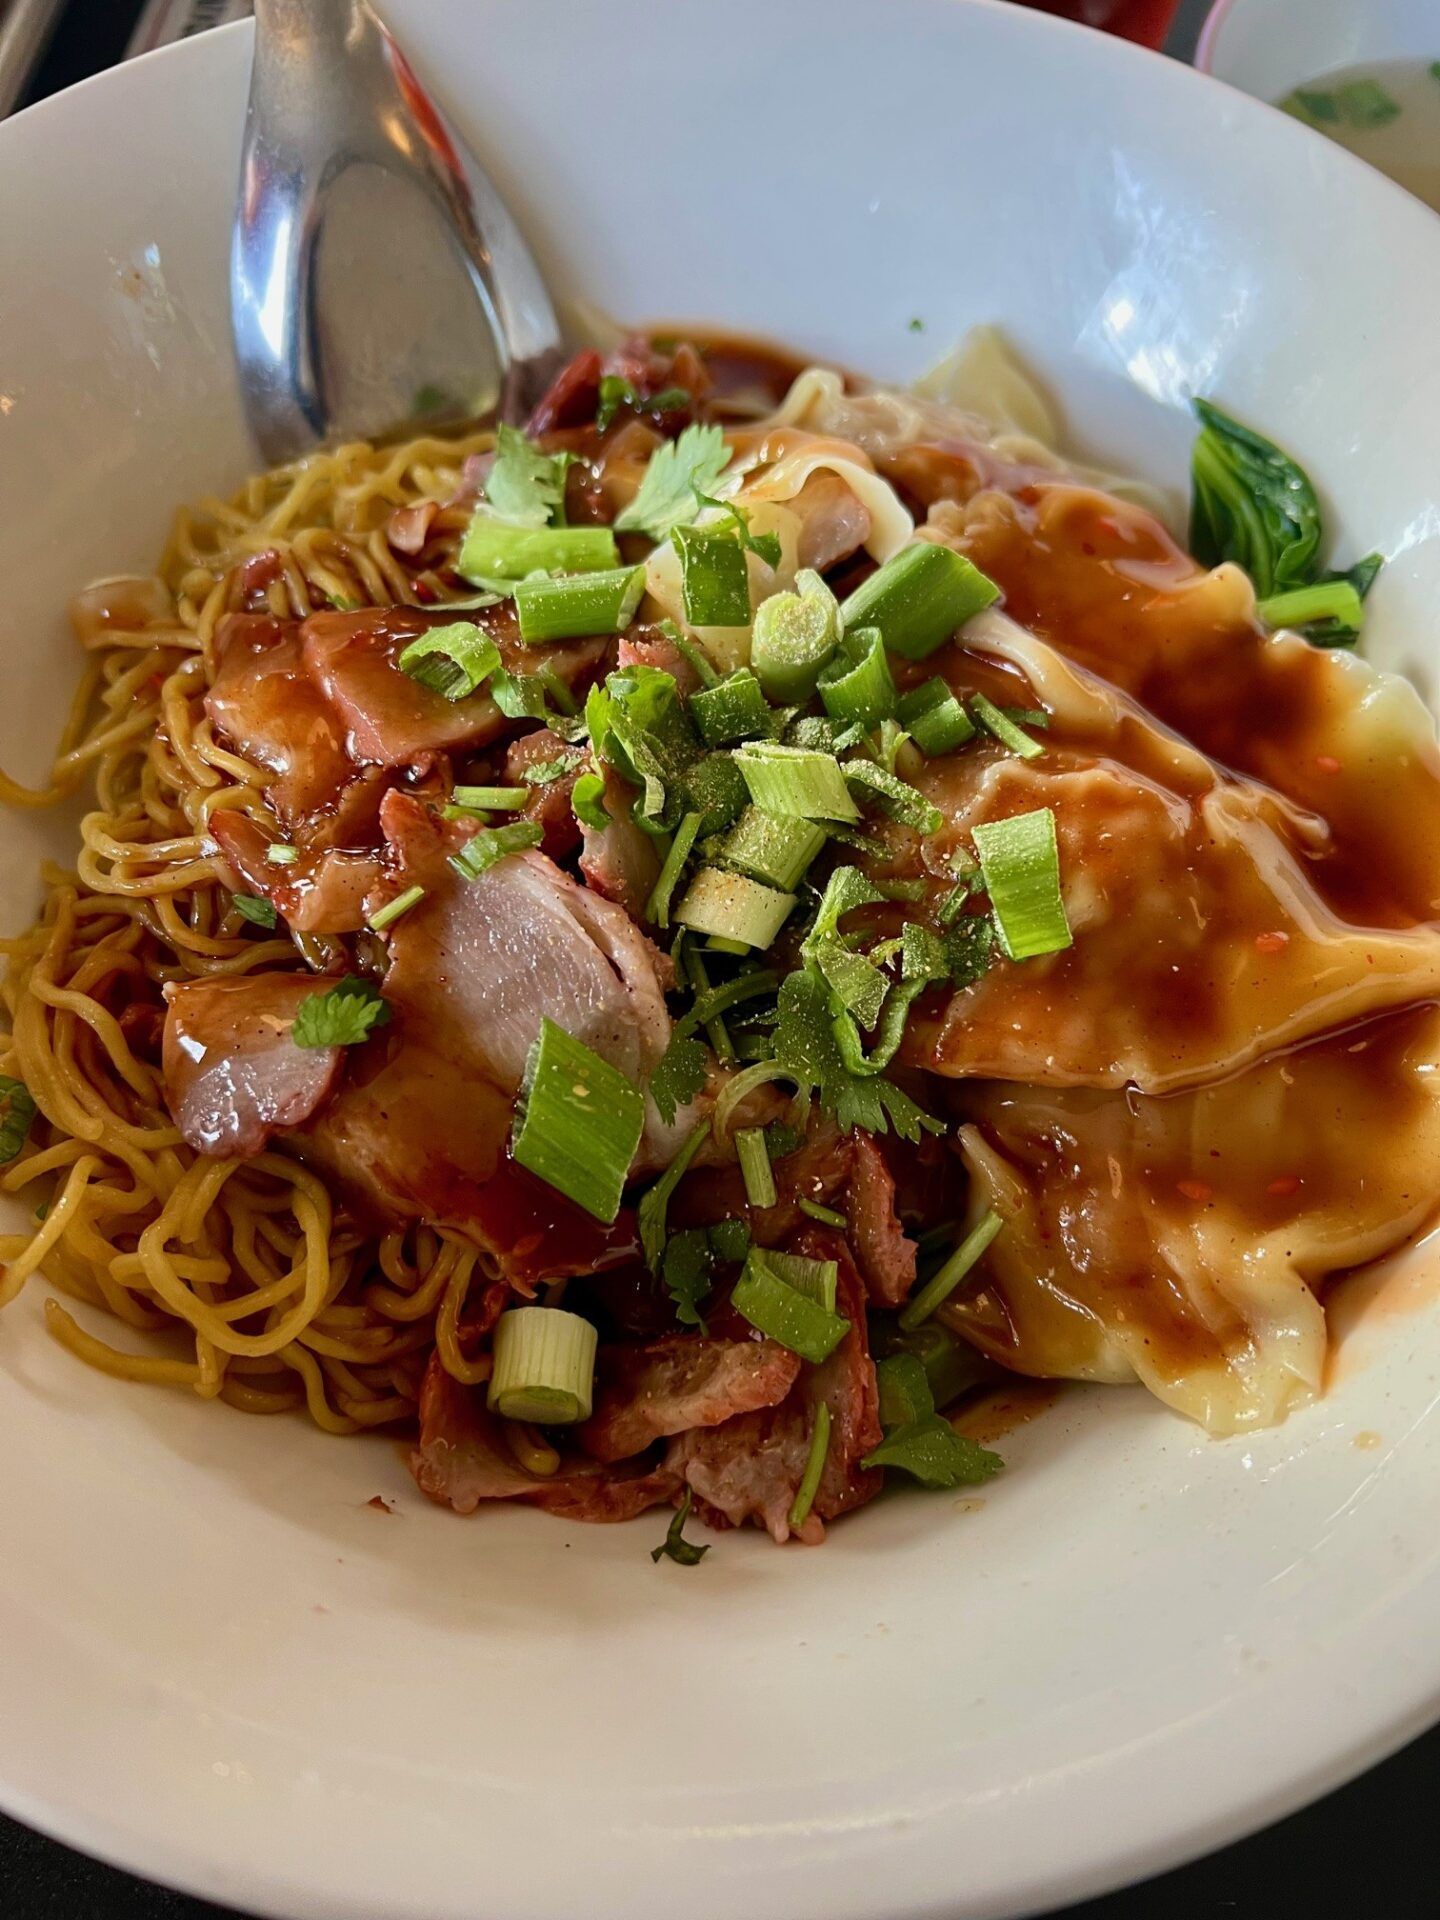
{"x":221,"y":1666}
{"x":1266,"y":47}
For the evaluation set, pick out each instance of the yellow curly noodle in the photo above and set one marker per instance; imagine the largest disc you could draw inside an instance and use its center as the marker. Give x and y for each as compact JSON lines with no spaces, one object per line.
{"x":255,"y":1288}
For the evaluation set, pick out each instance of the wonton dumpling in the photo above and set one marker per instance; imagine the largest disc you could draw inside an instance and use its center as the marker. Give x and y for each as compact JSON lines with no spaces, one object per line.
{"x":1180,"y":1240}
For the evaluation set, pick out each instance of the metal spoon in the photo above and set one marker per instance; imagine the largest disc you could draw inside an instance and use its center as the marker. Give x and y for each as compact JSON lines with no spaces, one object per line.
{"x":377,"y":279}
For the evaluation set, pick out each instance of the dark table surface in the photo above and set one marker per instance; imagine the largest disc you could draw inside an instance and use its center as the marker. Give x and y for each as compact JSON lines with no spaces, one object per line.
{"x":1371,"y":1849}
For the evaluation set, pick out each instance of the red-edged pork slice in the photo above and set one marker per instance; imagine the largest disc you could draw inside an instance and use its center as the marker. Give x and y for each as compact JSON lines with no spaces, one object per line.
{"x":321,"y":891}
{"x":388,"y":717}
{"x":265,"y":703}
{"x":572,"y":396}
{"x":647,"y":1393}
{"x":884,"y":1252}
{"x":233,"y":1075}
{"x":750,"y":1468}
{"x":620,"y":860}
{"x":549,"y":803}
{"x":652,"y":647}
{"x":463,"y":1459}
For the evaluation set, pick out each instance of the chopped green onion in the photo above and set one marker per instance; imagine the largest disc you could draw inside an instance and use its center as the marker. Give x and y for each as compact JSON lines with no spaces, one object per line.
{"x":578,"y":1122}
{"x":818,"y":1280}
{"x":495,"y":550}
{"x":778,"y":1310}
{"x":772,"y":847}
{"x":942,"y":1284}
{"x":935,"y":719}
{"x":587,"y":801}
{"x":1365,"y":103}
{"x":893,"y":795}
{"x":250,"y":906}
{"x":933,"y":1453}
{"x":1332,"y":600}
{"x":734,"y":907}
{"x":919,"y":598}
{"x":17,"y":1112}
{"x":655,"y":1202}
{"x":489,"y":799}
{"x":1004,"y":729}
{"x":827,"y":1216}
{"x":481,"y":851}
{"x":544,"y":1366}
{"x":281,"y":854}
{"x":657,"y":907}
{"x":755,"y":1166}
{"x":1026,"y":716}
{"x":675,"y":1546}
{"x":733,"y":709}
{"x":856,"y":685}
{"x":794,"y":635}
{"x":387,"y":915}
{"x":453,"y":660}
{"x":713,"y":577}
{"x":735,"y":949}
{"x":814,"y":1466}
{"x":575,"y":605}
{"x":795,"y":780}
{"x":1020,"y":860}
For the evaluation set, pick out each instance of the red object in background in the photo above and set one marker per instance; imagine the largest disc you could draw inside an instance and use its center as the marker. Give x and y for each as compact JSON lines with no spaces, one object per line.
{"x":1147,"y":21}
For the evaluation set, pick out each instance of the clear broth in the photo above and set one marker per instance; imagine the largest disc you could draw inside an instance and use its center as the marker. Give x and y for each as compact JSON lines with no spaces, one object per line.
{"x":1386,"y":112}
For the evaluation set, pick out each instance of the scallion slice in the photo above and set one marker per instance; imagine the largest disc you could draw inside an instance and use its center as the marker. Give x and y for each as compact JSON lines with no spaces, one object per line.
{"x":893,"y":795}
{"x":942,"y":1284}
{"x":919,"y":598}
{"x":755,"y":1171}
{"x":773,"y":848}
{"x":281,"y":854}
{"x":827,"y":1216}
{"x":495,"y":550}
{"x":795,"y":780}
{"x":1003,"y":728}
{"x":734,"y":907}
{"x":733,"y":709}
{"x":713,"y":577}
{"x":814,"y":1466}
{"x":934,"y":719}
{"x":855,"y":685}
{"x":387,"y":915}
{"x":1020,"y":860}
{"x":575,"y":605}
{"x":490,"y":799}
{"x":818,"y":1280}
{"x":252,"y":907}
{"x":578,"y":1123}
{"x":794,"y":634}
{"x":483,"y":849}
{"x":451,"y":660}
{"x":657,"y":907}
{"x":778,"y":1310}
{"x":544,"y":1366}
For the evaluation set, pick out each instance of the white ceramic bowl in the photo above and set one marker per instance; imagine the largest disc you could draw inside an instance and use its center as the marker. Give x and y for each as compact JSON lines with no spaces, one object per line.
{"x":1266,"y":47}
{"x":220,"y":1666}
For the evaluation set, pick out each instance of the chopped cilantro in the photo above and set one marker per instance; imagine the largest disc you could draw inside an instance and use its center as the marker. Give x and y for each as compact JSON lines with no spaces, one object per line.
{"x":526,"y":487}
{"x":678,"y":473}
{"x":807,"y":1048}
{"x":251,"y":907}
{"x":17,"y":1111}
{"x":675,"y":1546}
{"x":686,"y":1270}
{"x":679,"y":1075}
{"x":341,"y":1016}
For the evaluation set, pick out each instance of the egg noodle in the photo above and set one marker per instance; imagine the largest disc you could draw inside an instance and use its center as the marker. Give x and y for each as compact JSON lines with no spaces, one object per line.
{"x":279,"y":1305}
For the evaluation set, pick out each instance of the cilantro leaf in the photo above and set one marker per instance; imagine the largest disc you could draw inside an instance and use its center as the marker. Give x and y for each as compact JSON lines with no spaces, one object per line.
{"x":526,"y":487}
{"x":678,"y":473}
{"x":765,"y":545}
{"x":674,"y":1546}
{"x":679,"y":1075}
{"x":806,"y":1047}
{"x":686,"y":1270}
{"x":250,"y":906}
{"x":541,"y":773}
{"x":17,"y":1111}
{"x":932,"y":1452}
{"x":655,"y":1202}
{"x":587,"y":803}
{"x":341,"y":1016}
{"x":969,"y":949}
